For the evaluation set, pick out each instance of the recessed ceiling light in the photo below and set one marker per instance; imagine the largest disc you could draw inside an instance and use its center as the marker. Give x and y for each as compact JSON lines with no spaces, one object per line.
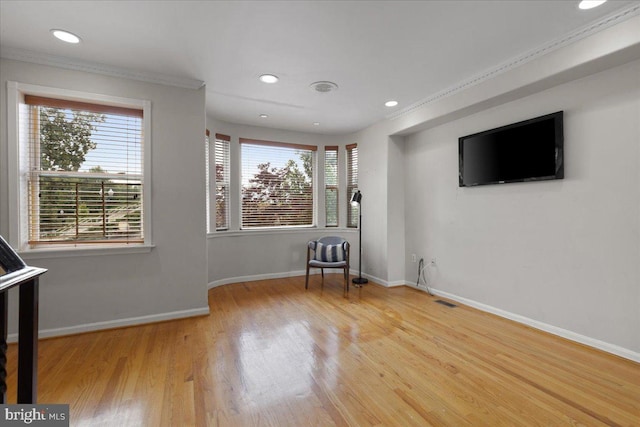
{"x":316,"y":123}
{"x":590,"y":4}
{"x":268,"y":78}
{"x":263,"y":116}
{"x":65,"y":36}
{"x":391,"y":103}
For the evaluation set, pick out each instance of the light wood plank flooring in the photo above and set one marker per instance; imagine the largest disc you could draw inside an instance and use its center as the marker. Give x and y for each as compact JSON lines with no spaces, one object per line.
{"x":271,"y":354}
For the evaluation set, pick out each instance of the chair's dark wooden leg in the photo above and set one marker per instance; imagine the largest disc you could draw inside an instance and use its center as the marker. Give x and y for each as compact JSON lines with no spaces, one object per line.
{"x":322,"y":272}
{"x":346,"y":282}
{"x":306,"y":280}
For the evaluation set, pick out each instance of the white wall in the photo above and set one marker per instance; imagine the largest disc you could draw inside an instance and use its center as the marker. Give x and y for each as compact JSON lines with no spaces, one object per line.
{"x":565,"y":253}
{"x":88,"y":292}
{"x":244,"y":255}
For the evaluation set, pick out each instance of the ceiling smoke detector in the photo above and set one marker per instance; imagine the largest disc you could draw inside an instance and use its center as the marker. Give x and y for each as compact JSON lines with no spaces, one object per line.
{"x":323,"y":87}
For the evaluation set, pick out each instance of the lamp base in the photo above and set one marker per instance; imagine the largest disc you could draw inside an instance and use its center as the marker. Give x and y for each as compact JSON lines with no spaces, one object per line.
{"x":359,"y":281}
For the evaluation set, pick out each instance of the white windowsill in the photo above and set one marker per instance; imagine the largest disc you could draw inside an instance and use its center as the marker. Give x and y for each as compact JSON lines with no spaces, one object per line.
{"x":75,"y":251}
{"x":280,"y":231}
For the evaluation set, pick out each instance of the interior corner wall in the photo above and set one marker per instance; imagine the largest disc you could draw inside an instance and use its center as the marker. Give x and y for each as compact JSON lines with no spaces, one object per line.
{"x":81,"y":292}
{"x":395,"y":211}
{"x":381,"y":180}
{"x":373,"y":170}
{"x":562,"y":252}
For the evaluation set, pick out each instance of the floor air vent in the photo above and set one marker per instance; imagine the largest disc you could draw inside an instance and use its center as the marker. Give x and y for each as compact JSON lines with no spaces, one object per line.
{"x":448,"y":304}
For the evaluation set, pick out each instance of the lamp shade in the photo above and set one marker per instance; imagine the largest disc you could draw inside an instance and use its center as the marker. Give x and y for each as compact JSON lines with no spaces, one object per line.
{"x":356,"y":198}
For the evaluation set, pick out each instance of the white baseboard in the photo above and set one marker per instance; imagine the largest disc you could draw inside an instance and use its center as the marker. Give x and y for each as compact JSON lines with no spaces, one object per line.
{"x":378,"y":281}
{"x":119,"y":323}
{"x":373,"y":279}
{"x":267,"y":276}
{"x":564,"y":333}
{"x":395,"y":284}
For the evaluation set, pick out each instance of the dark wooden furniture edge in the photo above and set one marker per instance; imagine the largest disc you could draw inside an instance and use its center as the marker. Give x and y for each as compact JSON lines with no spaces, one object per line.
{"x":27,"y":279}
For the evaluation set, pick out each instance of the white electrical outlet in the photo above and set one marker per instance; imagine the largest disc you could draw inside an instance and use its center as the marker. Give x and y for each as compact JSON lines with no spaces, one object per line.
{"x":413,"y":257}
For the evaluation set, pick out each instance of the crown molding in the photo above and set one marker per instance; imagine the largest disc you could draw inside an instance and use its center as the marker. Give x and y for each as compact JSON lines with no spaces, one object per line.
{"x":583,"y":32}
{"x":92,"y":67}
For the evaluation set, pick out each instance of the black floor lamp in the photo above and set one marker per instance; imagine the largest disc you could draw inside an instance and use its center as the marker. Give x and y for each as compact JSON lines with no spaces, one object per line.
{"x":355,"y":201}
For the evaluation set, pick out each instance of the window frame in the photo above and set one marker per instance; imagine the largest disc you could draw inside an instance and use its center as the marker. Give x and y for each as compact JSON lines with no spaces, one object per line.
{"x":332,"y":149}
{"x":226,"y":146}
{"x":18,"y":166}
{"x":352,"y":184}
{"x":314,"y":183}
{"x":207,"y":184}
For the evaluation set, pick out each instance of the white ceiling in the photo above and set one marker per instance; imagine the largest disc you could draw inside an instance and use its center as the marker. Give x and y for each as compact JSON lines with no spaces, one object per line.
{"x":374,"y":50}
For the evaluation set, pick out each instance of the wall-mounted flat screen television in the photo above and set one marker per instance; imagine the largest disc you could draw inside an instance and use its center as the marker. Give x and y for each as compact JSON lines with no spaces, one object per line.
{"x":531,"y":150}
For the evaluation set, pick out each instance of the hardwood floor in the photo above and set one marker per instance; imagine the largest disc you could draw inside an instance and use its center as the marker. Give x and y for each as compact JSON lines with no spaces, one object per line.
{"x":271,"y":354}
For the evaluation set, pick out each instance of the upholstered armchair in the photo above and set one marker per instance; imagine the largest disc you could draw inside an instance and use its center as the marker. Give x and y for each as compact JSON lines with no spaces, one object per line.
{"x":328,"y":252}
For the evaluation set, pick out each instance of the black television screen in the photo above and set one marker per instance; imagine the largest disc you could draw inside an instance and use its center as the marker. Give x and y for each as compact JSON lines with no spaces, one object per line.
{"x":531,"y":150}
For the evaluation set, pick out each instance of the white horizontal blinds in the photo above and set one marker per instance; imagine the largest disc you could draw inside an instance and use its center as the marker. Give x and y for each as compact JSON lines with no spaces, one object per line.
{"x":207,"y":135}
{"x":331,"y":185}
{"x":222,"y":162}
{"x":277,"y":184}
{"x":352,"y":184}
{"x":85,"y":175}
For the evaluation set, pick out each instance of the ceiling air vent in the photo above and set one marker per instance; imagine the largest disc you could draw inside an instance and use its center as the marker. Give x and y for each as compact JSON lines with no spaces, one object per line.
{"x":323,"y":87}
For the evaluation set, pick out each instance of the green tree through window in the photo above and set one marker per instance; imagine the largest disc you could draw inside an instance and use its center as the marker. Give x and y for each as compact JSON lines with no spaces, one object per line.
{"x":65,"y":141}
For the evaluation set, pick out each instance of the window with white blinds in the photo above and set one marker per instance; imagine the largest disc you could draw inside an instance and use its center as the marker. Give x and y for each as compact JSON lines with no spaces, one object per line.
{"x":352,"y":184}
{"x":277,"y":184}
{"x":222,"y":163}
{"x":85,"y":172}
{"x":207,"y":179}
{"x":331,"y":185}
